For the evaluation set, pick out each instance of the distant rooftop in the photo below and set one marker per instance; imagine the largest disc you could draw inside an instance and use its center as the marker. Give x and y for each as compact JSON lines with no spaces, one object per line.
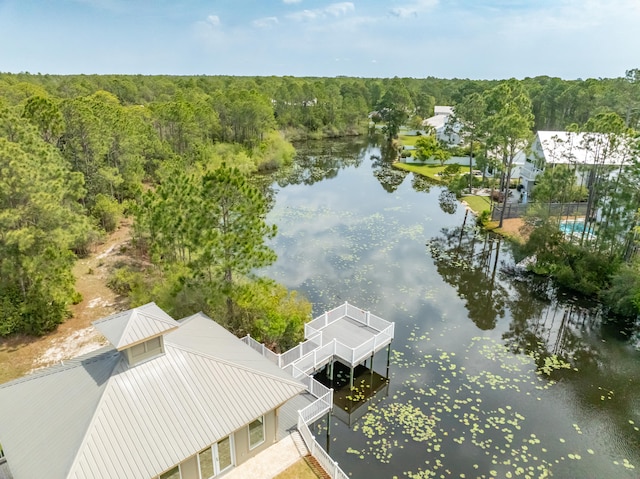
{"x":442,"y":110}
{"x":563,"y":147}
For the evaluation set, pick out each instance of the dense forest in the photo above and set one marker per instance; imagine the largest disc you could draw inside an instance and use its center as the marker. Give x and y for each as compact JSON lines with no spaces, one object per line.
{"x":183,"y":156}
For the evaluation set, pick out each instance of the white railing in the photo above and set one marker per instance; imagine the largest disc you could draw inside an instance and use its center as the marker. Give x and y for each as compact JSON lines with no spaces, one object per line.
{"x":262,"y":349}
{"x":317,"y":409}
{"x":310,"y":330}
{"x":378,"y":323}
{"x":329,"y":465}
{"x":353,"y":312}
{"x":302,"y":349}
{"x":310,"y":354}
{"x":356,"y":313}
{"x":529,"y":171}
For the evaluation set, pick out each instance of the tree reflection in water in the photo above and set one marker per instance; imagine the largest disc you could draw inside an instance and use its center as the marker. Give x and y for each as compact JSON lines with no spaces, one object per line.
{"x":316,"y":161}
{"x":468,"y":261}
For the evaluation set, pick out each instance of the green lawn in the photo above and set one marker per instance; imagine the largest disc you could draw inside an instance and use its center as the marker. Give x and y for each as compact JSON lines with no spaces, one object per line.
{"x":478,"y":203}
{"x":425,"y":170}
{"x":408,"y":140}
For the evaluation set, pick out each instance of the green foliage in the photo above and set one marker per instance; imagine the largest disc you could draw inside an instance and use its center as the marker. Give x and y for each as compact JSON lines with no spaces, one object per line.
{"x":451,"y":170}
{"x":41,"y":221}
{"x":126,"y":281}
{"x":623,"y":295}
{"x":584,"y":271}
{"x":558,"y":184}
{"x":107,"y":211}
{"x":272,"y":314}
{"x":429,"y":148}
{"x":394,"y":108}
{"x":45,"y":115}
{"x":76,"y":144}
{"x":572,"y":266}
{"x":245,"y":115}
{"x":273,"y":152}
{"x":483,"y":218}
{"x":210,"y":228}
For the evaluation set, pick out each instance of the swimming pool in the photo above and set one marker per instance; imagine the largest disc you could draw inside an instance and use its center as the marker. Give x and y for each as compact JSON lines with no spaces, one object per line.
{"x":575,"y":228}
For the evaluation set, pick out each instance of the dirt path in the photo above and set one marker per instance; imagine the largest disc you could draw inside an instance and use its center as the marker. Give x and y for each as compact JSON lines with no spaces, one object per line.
{"x":21,"y":354}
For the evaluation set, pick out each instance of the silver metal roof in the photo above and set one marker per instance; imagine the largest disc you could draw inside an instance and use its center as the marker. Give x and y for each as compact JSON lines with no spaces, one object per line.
{"x":45,"y":415}
{"x":562,"y":147}
{"x":100,"y":418}
{"x":135,"y":325}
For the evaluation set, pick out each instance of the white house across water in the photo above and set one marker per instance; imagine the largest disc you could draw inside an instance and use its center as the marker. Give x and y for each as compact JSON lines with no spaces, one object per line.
{"x":580,"y":150}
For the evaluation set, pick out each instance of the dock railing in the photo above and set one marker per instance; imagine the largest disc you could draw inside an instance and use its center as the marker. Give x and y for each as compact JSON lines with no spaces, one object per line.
{"x":262,"y":349}
{"x":350,"y":311}
{"x":311,"y":354}
{"x":324,"y":459}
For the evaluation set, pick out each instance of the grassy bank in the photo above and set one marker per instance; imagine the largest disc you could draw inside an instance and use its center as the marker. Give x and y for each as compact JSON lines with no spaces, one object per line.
{"x":478,"y":203}
{"x":429,"y":171}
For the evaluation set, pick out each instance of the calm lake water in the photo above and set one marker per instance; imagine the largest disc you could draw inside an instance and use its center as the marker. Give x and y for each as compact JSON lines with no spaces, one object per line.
{"x":492,"y":374}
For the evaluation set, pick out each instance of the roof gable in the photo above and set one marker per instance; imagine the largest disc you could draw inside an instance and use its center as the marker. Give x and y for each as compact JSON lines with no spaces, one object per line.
{"x":155,"y":415}
{"x":135,"y":325}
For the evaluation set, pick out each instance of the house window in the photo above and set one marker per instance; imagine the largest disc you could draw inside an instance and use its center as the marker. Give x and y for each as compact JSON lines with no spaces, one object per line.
{"x":225,"y":454}
{"x":173,"y":473}
{"x":216,"y":459}
{"x":205,"y":460}
{"x":256,"y":432}
{"x":146,"y":350}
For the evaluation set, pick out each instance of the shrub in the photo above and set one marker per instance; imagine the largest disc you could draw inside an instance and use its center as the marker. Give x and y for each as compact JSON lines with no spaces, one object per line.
{"x":107,"y":211}
{"x":124,"y":280}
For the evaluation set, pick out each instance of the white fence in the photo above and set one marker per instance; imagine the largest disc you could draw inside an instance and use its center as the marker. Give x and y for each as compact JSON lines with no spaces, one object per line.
{"x":312,"y":354}
{"x":346,"y":309}
{"x":322,"y":456}
{"x":262,"y":349}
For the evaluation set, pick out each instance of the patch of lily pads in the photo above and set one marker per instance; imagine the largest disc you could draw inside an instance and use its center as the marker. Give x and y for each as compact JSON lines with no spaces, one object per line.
{"x":443,"y":403}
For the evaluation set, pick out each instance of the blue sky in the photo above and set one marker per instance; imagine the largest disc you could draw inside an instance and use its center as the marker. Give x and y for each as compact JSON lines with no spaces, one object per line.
{"x":476,"y":39}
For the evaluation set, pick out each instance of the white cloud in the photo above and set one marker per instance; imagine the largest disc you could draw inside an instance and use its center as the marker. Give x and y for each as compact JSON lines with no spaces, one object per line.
{"x":266,"y":22}
{"x":213,"y":20}
{"x":304,"y":15}
{"x":334,"y":10}
{"x":413,"y":9}
{"x":339,"y":9}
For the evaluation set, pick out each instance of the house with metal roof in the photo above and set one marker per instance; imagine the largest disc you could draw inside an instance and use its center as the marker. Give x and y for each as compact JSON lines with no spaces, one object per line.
{"x":166,"y":400}
{"x":582,"y":151}
{"x":440,"y":122}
